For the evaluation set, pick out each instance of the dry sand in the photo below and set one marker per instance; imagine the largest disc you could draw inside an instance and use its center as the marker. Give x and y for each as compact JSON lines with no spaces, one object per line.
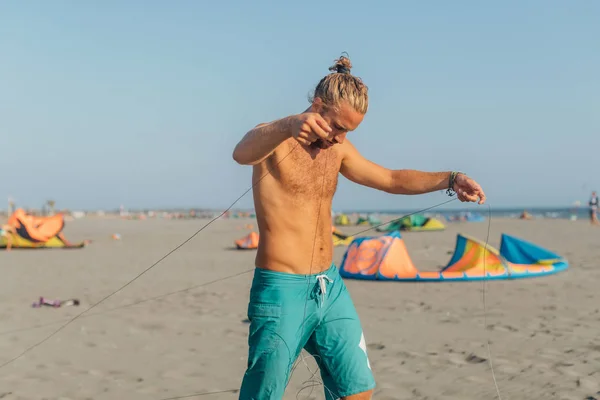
{"x":544,"y":333}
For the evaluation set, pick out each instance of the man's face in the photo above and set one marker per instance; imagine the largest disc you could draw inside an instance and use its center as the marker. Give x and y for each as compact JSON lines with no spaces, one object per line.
{"x":342,"y":119}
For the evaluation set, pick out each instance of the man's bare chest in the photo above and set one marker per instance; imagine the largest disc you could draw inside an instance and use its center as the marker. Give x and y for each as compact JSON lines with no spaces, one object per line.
{"x":307,"y":175}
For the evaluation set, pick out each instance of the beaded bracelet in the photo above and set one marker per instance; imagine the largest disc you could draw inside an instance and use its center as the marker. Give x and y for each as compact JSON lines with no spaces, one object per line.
{"x":450,"y":192}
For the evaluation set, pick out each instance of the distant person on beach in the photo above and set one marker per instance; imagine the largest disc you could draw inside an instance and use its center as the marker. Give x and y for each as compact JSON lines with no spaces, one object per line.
{"x":298,"y":298}
{"x":6,"y":232}
{"x":525,"y":215}
{"x":594,"y":202}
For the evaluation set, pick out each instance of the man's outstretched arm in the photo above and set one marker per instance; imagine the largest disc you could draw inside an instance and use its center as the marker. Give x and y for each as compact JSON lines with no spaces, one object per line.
{"x":404,"y":181}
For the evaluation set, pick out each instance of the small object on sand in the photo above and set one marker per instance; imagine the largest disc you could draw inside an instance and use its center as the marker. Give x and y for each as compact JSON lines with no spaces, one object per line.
{"x":116,"y":236}
{"x":474,"y":359}
{"x":54,"y":303}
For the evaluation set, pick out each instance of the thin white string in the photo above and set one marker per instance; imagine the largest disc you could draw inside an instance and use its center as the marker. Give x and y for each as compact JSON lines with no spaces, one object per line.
{"x":485,"y":252}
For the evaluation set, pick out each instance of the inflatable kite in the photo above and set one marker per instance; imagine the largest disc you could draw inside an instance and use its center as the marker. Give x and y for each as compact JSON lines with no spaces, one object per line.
{"x":369,"y":220}
{"x":339,"y":239}
{"x":342,"y":219}
{"x":386,"y":258}
{"x":413,"y":223}
{"x":248,"y":242}
{"x":33,"y":232}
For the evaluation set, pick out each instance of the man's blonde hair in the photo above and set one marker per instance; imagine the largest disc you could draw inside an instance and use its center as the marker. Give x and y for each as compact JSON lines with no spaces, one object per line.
{"x":340,"y":86}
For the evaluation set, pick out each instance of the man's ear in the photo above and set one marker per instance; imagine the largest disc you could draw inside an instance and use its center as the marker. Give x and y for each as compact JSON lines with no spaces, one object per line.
{"x":317,"y":104}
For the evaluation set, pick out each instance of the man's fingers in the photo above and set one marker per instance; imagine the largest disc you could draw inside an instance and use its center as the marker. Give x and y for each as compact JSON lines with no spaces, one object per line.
{"x":464,"y":196}
{"x":323,"y":124}
{"x":482,"y":197}
{"x":313,"y":137}
{"x":303,"y":141}
{"x":308,"y":135}
{"x":478,"y":195}
{"x":317,"y":130}
{"x":470,"y":195}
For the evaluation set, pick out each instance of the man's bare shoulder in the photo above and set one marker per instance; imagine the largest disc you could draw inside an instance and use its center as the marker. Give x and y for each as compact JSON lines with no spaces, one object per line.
{"x":347,"y":149}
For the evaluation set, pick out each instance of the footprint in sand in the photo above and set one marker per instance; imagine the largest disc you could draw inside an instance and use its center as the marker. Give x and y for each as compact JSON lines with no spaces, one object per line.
{"x":418,"y":307}
{"x":376,"y":346}
{"x":475,"y":359}
{"x":594,"y":347}
{"x":449,"y":320}
{"x":503,"y":328}
{"x":153,"y":326}
{"x":406,"y":354}
{"x":587,"y":384}
{"x":456,"y":359}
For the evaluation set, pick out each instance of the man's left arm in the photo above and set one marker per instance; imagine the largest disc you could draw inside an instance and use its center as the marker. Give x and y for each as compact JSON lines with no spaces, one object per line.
{"x":404,"y":181}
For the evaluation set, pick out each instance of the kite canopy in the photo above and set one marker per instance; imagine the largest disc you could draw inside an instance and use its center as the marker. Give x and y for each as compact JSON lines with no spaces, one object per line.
{"x":386,"y":258}
{"x":414,"y":223}
{"x":342,"y":219}
{"x":369,"y":220}
{"x":248,"y":242}
{"x":339,"y":239}
{"x":32,"y":232}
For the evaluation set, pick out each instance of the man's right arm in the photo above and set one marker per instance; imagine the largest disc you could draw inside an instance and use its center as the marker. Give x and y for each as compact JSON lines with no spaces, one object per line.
{"x":260,"y":142}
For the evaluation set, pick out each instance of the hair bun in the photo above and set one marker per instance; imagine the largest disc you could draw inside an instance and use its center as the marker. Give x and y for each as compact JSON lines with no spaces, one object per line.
{"x":342,"y":65}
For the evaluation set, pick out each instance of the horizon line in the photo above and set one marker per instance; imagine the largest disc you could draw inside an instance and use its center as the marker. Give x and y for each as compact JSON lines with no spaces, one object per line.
{"x":466,"y":207}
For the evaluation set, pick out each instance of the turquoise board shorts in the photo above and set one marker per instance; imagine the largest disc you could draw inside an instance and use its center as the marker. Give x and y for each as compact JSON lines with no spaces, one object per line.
{"x":289,"y":312}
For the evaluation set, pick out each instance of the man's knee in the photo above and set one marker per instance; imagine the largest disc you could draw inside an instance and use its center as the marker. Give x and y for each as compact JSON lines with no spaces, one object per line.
{"x":360,"y":396}
{"x":267,"y":372}
{"x":266,"y":383}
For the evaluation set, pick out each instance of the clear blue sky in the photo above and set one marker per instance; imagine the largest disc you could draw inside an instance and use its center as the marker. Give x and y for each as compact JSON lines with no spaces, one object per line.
{"x":141,"y":102}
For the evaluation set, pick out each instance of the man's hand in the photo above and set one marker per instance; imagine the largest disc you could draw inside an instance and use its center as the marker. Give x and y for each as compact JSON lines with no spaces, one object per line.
{"x":308,"y":128}
{"x":468,"y":190}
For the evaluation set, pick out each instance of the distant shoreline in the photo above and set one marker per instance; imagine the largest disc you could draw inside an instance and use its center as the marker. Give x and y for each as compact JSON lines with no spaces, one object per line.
{"x":555,"y":212}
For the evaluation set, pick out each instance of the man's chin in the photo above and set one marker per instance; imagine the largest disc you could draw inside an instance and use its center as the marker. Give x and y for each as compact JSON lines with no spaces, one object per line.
{"x":321,"y":144}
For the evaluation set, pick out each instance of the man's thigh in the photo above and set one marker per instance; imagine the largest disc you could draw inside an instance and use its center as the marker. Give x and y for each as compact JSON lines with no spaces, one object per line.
{"x":340,"y":344}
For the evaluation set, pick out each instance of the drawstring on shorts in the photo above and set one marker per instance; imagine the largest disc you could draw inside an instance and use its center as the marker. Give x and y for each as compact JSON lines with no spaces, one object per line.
{"x":322,"y":279}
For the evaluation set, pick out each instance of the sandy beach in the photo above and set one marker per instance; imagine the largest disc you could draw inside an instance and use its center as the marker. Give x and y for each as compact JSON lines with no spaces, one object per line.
{"x":425,"y":341}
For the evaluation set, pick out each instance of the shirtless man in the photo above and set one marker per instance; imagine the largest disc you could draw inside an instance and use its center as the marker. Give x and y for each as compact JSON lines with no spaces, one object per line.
{"x":298,"y":299}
